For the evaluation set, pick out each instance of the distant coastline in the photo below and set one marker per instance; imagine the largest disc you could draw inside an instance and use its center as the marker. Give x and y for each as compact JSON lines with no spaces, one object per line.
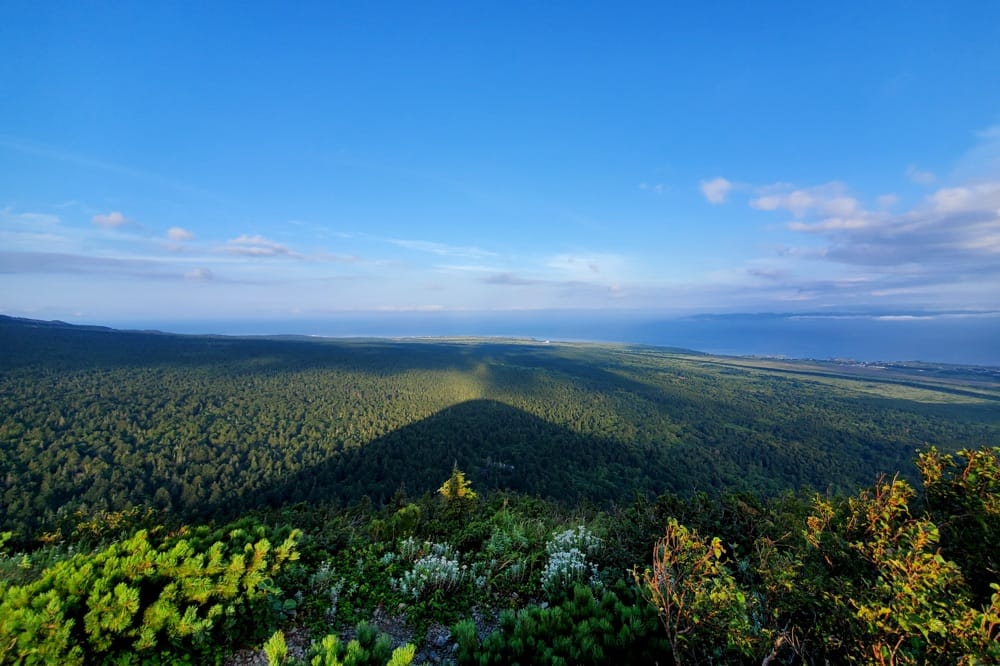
{"x":955,"y":338}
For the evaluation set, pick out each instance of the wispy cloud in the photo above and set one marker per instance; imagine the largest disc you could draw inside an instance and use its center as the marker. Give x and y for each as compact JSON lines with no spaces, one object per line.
{"x":469,"y":268}
{"x":655,"y":188}
{"x":717,"y":190}
{"x":54,"y":262}
{"x":509,"y":279}
{"x":920,"y":176}
{"x":581,"y":264}
{"x":955,"y":227}
{"x":440,"y":249}
{"x":257,"y":246}
{"x":199,"y":275}
{"x":338,"y":258}
{"x":941,"y":251}
{"x":111,"y":220}
{"x":827,"y":199}
{"x":976,"y":196}
{"x":179,"y":234}
{"x":885,"y":201}
{"x":9,"y":218}
{"x":766,"y":273}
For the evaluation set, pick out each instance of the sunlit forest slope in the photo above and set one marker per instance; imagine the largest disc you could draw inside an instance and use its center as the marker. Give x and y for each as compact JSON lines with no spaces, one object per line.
{"x":98,"y":420}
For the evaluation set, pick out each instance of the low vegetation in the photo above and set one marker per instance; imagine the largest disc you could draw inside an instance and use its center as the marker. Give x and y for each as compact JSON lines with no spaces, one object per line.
{"x":880,"y":576}
{"x":366,"y":510}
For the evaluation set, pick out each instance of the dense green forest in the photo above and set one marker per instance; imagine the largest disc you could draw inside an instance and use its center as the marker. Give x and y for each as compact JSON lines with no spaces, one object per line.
{"x":206,"y":427}
{"x":176,"y":499}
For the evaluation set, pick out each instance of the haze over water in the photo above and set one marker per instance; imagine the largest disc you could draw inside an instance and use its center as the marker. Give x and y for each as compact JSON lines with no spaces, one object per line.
{"x":957,"y":339}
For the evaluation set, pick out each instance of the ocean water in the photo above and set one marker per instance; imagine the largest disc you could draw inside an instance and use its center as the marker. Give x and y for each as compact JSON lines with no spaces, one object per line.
{"x":957,"y":339}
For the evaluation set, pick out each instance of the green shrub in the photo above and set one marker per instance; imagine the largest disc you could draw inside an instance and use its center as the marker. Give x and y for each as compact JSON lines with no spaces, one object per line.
{"x":615,"y":627}
{"x":183,"y":596}
{"x":369,"y":648}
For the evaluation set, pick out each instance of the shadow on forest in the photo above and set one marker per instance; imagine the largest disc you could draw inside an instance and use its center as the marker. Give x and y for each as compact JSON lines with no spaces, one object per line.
{"x":500,"y":447}
{"x":767,"y":436}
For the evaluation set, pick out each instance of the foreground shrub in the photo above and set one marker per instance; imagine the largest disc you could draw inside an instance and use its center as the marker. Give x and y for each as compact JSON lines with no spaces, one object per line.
{"x":699,"y":603}
{"x":888,"y":594}
{"x":614,"y":627}
{"x":568,"y":564}
{"x":370,"y":648}
{"x":435,"y":568}
{"x":138,"y":600}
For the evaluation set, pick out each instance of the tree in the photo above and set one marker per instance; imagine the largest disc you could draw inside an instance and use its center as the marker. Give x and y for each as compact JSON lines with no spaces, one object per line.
{"x":457,"y":487}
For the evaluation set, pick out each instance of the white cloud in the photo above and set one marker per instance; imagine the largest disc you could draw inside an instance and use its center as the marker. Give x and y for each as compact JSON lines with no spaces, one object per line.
{"x":978,"y":196}
{"x":440,"y":248}
{"x":657,"y":188}
{"x":575,"y":264}
{"x":178,"y":234}
{"x":942,"y":251}
{"x":956,"y":228}
{"x":716,"y":190}
{"x":470,"y":268}
{"x":920,"y":176}
{"x":830,"y":198}
{"x":199,"y":274}
{"x":112,"y":220}
{"x":7,"y":216}
{"x":832,"y":224}
{"x":257,"y":246}
{"x":587,"y":267}
{"x":887,"y":200}
{"x":339,"y":258}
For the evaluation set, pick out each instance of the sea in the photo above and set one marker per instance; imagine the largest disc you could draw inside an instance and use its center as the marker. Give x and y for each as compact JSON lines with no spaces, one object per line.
{"x":950,"y":338}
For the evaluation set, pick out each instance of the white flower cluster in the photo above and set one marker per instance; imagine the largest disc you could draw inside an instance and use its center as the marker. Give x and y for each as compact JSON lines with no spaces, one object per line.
{"x":435,"y":567}
{"x":579,"y":538}
{"x":432,"y":572}
{"x":568,"y":565}
{"x":410,"y":550}
{"x":325,"y":580}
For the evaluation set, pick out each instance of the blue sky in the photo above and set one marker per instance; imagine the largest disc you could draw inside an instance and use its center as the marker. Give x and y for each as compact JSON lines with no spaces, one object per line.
{"x":171,"y":161}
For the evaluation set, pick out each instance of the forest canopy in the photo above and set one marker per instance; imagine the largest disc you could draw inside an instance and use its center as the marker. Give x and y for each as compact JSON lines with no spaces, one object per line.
{"x":173,"y":499}
{"x":96,"y":420}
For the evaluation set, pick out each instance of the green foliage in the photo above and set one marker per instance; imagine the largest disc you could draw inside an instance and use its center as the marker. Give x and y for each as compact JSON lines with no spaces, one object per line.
{"x":109,"y":442}
{"x":96,"y":423}
{"x":369,"y":648}
{"x":699,"y":603}
{"x":457,"y":487}
{"x":276,"y":649}
{"x":616,"y":627}
{"x":870,"y":585}
{"x":405,"y":521}
{"x":135,"y":596}
{"x":907,"y":609}
{"x":964,"y":499}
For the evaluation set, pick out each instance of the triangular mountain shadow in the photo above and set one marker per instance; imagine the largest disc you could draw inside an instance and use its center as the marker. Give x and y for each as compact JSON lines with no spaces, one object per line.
{"x":497,"y":445}
{"x":503,"y":447}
